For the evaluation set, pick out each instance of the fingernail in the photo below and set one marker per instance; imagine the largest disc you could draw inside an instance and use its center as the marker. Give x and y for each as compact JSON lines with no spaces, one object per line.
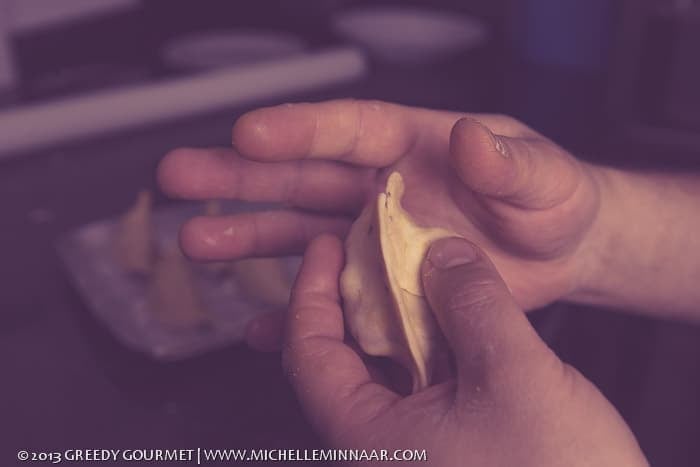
{"x":451,"y":252}
{"x":496,"y":140}
{"x":500,"y":147}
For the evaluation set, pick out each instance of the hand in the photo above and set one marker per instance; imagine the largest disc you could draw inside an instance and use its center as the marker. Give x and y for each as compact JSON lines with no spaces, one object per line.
{"x":525,"y":200}
{"x":512,"y":402}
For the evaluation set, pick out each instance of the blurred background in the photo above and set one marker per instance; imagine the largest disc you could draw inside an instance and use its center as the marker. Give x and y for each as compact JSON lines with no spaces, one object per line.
{"x":93,"y":94}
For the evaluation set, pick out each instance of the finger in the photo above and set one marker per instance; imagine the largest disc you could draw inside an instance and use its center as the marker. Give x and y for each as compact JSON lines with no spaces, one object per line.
{"x":496,"y":349}
{"x":527,"y":172}
{"x":264,"y":233}
{"x":367,"y":133}
{"x":330,"y":379}
{"x":264,"y":333}
{"x":221,"y":173}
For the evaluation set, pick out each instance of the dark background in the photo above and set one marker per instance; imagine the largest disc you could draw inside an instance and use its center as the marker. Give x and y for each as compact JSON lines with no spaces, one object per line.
{"x":613,"y":81}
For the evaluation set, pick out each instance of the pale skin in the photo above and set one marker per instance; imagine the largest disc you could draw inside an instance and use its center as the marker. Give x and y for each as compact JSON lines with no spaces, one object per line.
{"x":511,"y":401}
{"x":554,"y":227}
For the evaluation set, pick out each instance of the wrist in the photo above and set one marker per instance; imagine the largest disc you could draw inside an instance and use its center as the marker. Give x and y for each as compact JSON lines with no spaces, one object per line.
{"x":641,"y":250}
{"x":594,"y":259}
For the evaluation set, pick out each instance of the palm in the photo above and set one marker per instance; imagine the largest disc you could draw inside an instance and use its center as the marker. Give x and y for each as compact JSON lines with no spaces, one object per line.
{"x":532,"y":248}
{"x":556,"y":430}
{"x":331,"y":158}
{"x":509,"y":400}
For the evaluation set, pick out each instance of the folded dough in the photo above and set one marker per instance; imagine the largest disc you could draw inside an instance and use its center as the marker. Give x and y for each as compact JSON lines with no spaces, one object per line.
{"x":134,"y":242}
{"x":384,"y":303}
{"x":173,"y":294}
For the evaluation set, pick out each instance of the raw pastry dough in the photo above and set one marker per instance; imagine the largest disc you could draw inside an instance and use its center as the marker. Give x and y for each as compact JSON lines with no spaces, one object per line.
{"x":173,"y":294}
{"x":135,"y":249}
{"x":381,"y":286}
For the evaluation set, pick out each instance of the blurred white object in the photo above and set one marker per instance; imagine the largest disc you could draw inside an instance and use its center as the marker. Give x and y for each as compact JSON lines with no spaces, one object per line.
{"x":409,"y":35}
{"x":125,"y":303}
{"x":31,"y":14}
{"x":45,"y":124}
{"x":227,"y":48}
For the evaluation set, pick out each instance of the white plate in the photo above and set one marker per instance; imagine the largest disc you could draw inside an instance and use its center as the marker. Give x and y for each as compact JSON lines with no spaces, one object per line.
{"x":120,"y":300}
{"x":226,"y":48}
{"x":409,"y":35}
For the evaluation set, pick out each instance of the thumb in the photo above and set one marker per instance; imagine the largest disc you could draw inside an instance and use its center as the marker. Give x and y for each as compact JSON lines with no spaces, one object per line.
{"x":496,"y":349}
{"x":526,"y":171}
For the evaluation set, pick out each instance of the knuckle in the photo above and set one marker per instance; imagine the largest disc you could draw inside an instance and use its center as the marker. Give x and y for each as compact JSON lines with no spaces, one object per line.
{"x":384,"y":131}
{"x":508,"y":120}
{"x":308,"y":302}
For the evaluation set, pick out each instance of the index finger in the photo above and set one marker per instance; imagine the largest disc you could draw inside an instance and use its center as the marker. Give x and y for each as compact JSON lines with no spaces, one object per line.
{"x":330,"y":379}
{"x":367,"y":133}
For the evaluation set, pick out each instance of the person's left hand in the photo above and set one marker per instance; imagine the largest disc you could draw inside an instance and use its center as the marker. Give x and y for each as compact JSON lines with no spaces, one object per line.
{"x":512,"y":402}
{"x":528,"y":203}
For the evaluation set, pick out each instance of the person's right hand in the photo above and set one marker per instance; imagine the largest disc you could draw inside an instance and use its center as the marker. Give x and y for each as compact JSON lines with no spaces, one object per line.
{"x":525,"y":200}
{"x":510,"y":402}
